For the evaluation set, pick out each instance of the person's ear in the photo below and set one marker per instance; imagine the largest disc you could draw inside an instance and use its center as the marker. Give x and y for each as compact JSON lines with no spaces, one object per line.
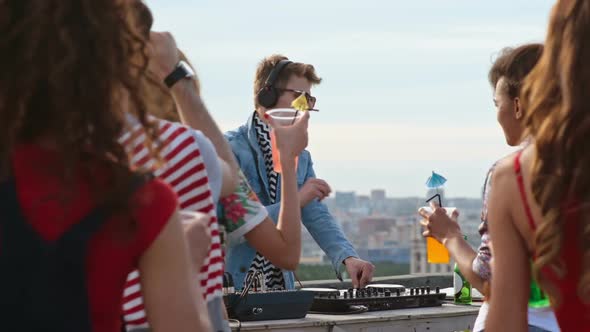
{"x":517,"y":109}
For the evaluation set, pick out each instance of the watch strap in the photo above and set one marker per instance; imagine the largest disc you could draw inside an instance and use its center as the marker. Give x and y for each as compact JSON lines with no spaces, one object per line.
{"x":176,"y":75}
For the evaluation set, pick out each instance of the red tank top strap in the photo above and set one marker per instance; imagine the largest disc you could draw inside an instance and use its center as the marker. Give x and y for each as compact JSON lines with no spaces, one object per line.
{"x":521,"y":188}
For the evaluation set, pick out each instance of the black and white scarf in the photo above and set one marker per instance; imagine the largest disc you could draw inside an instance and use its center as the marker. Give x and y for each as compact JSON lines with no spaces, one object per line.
{"x":273,"y":276}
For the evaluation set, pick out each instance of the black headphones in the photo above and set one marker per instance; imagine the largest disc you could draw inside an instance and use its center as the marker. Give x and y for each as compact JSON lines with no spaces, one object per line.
{"x":269,"y":94}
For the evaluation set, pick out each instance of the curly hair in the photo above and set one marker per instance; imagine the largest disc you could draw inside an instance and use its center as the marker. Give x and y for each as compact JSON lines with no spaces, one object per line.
{"x":69,"y":73}
{"x":555,"y":96}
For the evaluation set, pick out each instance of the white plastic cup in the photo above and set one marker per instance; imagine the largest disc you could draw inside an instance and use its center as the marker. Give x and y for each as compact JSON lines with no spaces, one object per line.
{"x":282,"y":117}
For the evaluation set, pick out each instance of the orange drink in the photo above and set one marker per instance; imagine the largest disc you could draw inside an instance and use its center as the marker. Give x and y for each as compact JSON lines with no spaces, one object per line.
{"x":281,"y":117}
{"x":436,"y":253}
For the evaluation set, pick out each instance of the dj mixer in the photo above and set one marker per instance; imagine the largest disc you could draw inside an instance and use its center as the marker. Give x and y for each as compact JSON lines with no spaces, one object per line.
{"x":373,"y":298}
{"x":254,"y":303}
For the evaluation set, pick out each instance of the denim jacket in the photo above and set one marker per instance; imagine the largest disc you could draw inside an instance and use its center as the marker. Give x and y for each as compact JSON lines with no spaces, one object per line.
{"x":315,"y":216}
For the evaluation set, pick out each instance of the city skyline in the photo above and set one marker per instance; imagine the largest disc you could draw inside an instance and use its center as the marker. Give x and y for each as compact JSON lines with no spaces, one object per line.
{"x":405,"y":88}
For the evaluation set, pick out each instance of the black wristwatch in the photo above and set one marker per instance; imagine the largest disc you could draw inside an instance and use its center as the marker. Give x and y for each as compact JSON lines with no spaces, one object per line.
{"x":182,"y":70}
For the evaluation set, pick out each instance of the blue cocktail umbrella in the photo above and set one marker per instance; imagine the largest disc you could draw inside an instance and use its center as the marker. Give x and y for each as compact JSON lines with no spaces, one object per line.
{"x":435,"y":181}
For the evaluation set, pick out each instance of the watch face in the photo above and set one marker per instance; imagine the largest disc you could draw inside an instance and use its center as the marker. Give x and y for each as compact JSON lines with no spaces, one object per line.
{"x":186,"y":68}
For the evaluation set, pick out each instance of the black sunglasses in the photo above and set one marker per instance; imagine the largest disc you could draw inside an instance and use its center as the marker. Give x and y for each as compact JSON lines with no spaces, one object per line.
{"x":310,"y":99}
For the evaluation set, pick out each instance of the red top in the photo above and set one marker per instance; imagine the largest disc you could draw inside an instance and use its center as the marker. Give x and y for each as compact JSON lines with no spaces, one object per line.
{"x":572,"y":314}
{"x":111,"y":255}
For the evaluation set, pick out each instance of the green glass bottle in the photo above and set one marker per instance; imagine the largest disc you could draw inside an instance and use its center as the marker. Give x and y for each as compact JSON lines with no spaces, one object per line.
{"x":462,"y":286}
{"x":537,"y":298}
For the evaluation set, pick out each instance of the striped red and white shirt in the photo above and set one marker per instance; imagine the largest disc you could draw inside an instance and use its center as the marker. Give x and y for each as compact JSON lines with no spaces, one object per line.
{"x":185,"y":172}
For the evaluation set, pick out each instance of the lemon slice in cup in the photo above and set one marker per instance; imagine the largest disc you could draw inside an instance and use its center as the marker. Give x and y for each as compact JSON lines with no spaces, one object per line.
{"x":300,"y":103}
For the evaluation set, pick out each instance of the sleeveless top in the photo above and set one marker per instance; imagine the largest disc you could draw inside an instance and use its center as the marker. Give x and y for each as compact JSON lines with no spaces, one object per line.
{"x":64,"y":257}
{"x":572,"y":314}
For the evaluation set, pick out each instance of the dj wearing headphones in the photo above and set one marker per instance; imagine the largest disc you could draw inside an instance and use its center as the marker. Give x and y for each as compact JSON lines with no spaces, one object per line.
{"x":279,"y":81}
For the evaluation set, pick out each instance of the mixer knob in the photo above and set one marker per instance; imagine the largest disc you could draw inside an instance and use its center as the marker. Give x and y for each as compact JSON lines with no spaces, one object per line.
{"x":411,"y":291}
{"x":437,"y":290}
{"x":428,"y":290}
{"x":345,"y":295}
{"x":422,"y":290}
{"x":387,"y":293}
{"x":397,"y":292}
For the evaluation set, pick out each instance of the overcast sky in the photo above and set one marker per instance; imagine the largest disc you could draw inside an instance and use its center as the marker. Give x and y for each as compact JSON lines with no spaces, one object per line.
{"x":405,"y":86}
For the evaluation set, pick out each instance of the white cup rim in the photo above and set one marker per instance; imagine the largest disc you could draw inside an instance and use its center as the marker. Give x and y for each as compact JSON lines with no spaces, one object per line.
{"x":285,"y":110}
{"x":449,"y":209}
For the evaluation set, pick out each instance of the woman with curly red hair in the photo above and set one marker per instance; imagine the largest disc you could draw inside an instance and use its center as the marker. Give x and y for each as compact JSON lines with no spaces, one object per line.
{"x":76,"y":217}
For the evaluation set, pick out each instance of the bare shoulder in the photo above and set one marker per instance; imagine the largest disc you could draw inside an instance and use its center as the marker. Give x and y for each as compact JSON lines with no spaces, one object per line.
{"x":507,"y":196}
{"x":504,"y":171}
{"x":505,"y":167}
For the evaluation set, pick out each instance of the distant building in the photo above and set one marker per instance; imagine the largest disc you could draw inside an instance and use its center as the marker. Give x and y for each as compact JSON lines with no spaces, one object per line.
{"x":383,"y":239}
{"x":378,"y":195}
{"x":364,"y":203}
{"x":418,"y":258}
{"x":387,"y":229}
{"x":399,"y":255}
{"x":310,"y":251}
{"x":375,"y":224}
{"x":405,"y":230}
{"x":345,"y":200}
